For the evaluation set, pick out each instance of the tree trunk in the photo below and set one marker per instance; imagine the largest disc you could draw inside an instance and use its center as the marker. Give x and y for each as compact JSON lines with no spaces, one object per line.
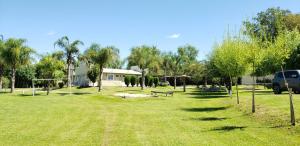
{"x":291,"y":100}
{"x":69,"y":75}
{"x":175,"y":82}
{"x":1,"y":82}
{"x":237,"y":92}
{"x":184,"y":85}
{"x":48,"y":88}
{"x":165,"y":75}
{"x":12,"y":80}
{"x":230,"y":87}
{"x":100,"y":78}
{"x":205,"y":81}
{"x":143,"y":79}
{"x":253,"y":90}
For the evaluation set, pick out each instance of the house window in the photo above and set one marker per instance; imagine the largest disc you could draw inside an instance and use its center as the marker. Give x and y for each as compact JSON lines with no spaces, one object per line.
{"x":110,"y":77}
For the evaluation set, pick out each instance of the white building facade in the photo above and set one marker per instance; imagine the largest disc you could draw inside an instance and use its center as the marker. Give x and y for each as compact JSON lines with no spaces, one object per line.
{"x":110,"y":77}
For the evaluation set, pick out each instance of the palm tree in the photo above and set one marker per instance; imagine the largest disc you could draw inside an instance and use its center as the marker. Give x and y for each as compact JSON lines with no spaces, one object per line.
{"x":71,"y":51}
{"x":16,"y":54}
{"x":103,"y":57}
{"x":166,"y":63}
{"x":144,"y":57}
{"x":1,"y":61}
{"x":181,"y":60}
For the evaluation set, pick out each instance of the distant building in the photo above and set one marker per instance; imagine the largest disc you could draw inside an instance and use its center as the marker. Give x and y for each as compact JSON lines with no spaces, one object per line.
{"x":110,"y":77}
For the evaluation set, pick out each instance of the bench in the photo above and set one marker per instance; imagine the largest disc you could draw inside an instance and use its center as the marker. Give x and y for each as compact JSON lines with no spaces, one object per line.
{"x":162,"y":92}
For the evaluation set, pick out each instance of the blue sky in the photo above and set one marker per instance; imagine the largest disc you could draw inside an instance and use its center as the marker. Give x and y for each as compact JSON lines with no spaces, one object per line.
{"x":124,"y":24}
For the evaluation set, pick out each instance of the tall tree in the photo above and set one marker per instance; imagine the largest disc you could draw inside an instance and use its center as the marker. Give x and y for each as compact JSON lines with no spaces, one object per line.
{"x":166,"y":63}
{"x":267,"y":24}
{"x":50,"y":67}
{"x":71,"y":51}
{"x":103,"y":57}
{"x":144,"y":57}
{"x":16,"y":54}
{"x":229,"y":58}
{"x":2,"y":64}
{"x":180,"y":61}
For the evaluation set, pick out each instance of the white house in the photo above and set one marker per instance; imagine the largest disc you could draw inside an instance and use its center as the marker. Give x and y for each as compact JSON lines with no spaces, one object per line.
{"x":111,"y":77}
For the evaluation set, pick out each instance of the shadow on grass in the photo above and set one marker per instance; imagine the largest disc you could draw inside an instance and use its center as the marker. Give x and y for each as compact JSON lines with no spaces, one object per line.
{"x":63,"y":94}
{"x":209,"y":119}
{"x":204,"y":109}
{"x":228,"y":128}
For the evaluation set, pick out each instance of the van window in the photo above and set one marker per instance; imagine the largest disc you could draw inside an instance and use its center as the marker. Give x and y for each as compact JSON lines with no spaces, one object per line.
{"x":292,"y":74}
{"x":279,"y":75}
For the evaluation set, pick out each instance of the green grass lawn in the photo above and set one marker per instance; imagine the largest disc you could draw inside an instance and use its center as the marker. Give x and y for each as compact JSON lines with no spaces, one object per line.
{"x":192,"y":118}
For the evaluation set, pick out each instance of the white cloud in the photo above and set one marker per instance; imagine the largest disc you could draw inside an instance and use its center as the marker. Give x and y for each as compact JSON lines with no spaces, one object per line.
{"x":174,"y":36}
{"x":51,"y":33}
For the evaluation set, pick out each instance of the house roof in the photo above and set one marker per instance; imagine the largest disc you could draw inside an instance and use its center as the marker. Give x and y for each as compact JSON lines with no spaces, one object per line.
{"x":121,"y":71}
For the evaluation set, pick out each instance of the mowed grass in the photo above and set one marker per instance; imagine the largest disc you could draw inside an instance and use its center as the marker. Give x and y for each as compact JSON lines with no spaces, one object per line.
{"x":192,"y":118}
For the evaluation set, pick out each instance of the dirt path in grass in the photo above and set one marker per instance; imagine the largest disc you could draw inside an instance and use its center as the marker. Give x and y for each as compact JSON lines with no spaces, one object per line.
{"x":109,"y":122}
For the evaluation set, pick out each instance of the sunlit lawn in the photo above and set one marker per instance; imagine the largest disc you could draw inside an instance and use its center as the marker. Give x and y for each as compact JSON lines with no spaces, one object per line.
{"x":192,"y":118}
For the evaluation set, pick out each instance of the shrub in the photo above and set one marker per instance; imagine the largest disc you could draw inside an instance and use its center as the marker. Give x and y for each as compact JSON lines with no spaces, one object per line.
{"x":140,"y":81}
{"x":155,"y":81}
{"x":61,"y":84}
{"x":147,"y":80}
{"x":164,"y":84}
{"x":150,"y":82}
{"x":127,"y":80}
{"x":132,"y":80}
{"x":93,"y":74}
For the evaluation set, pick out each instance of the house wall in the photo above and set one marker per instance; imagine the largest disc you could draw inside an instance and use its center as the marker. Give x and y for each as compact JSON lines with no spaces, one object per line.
{"x":108,"y":79}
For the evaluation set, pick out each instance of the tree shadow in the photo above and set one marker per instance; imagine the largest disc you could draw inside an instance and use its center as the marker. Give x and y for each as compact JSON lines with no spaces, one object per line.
{"x":209,"y":119}
{"x":204,"y":109}
{"x":63,"y":94}
{"x":208,"y":96}
{"x":228,"y":128}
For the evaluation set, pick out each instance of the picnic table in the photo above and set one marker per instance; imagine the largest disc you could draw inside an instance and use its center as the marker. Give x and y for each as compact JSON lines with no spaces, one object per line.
{"x":155,"y":93}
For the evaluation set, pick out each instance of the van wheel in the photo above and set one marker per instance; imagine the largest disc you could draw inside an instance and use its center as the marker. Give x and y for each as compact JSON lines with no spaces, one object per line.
{"x":276,"y":89}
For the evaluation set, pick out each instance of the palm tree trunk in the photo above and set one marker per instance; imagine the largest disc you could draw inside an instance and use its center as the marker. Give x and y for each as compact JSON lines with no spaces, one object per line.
{"x":184,"y":85}
{"x":12,"y":80}
{"x":69,"y":75}
{"x":237,"y":92}
{"x":253,"y":90}
{"x":175,"y":82}
{"x":100,"y":78}
{"x":143,"y":79}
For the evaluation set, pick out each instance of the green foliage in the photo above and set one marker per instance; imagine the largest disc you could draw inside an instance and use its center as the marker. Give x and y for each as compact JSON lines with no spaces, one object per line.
{"x":144,"y":57}
{"x":70,"y":50}
{"x":267,"y":25}
{"x":133,"y":80}
{"x":147,"y":80}
{"x":230,"y":57}
{"x":279,"y":52}
{"x":155,"y":81}
{"x":61,"y":84}
{"x":24,"y":76}
{"x":93,"y":74}
{"x":292,"y":21}
{"x":127,"y":80}
{"x":101,"y":57}
{"x":5,"y":83}
{"x":50,"y":68}
{"x":150,"y":82}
